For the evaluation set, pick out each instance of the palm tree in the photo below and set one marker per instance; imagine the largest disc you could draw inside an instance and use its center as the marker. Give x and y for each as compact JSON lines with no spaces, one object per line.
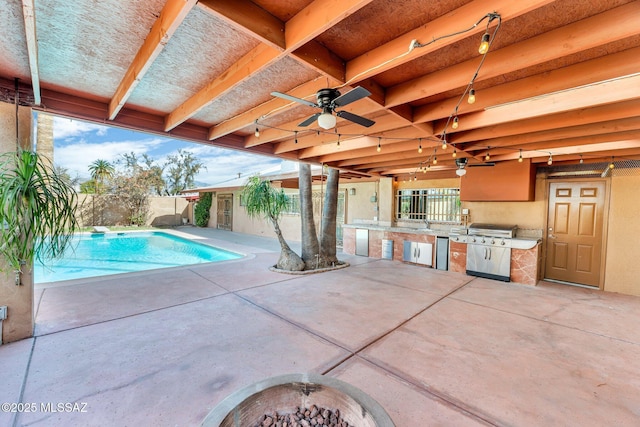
{"x":261,"y":199}
{"x":310,"y":245}
{"x":329,"y":213}
{"x":101,"y":170}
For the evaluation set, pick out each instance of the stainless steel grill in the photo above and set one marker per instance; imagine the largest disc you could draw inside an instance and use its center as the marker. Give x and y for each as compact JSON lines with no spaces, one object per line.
{"x":489,"y":250}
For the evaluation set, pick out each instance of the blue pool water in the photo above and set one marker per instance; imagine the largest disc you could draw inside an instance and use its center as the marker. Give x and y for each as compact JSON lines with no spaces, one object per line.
{"x":114,"y":253}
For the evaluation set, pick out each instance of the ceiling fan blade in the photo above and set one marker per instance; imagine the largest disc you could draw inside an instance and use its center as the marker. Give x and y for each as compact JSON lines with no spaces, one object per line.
{"x":351,"y":96}
{"x":294,"y":99}
{"x":309,"y":120}
{"x":482,"y":164}
{"x":355,"y":118}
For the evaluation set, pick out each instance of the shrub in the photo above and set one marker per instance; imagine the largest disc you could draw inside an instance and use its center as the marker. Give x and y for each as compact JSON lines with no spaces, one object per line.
{"x":201,"y":211}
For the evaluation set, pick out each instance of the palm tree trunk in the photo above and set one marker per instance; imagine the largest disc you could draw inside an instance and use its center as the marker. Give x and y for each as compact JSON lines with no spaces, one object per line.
{"x":310,"y":247}
{"x":329,"y":213}
{"x":289,"y":260}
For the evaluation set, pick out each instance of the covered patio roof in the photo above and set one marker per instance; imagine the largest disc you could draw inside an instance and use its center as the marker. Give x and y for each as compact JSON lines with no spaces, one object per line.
{"x":559,"y":82}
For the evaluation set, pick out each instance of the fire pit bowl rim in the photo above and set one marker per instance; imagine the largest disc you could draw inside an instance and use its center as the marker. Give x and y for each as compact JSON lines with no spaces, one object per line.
{"x":226,"y":406}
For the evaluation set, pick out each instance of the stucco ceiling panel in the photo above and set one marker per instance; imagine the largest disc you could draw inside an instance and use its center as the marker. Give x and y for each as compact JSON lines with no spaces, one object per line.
{"x":197,"y":54}
{"x":524,"y":27}
{"x":382,"y":21}
{"x":13,"y":45}
{"x":77,"y":35}
{"x":286,"y":73}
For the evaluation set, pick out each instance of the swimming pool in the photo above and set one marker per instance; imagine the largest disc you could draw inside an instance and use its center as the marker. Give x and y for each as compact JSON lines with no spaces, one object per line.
{"x":113,"y":253}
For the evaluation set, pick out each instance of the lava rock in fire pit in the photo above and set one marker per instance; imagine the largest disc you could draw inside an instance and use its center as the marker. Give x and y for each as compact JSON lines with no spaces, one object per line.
{"x":298,"y":400}
{"x":304,"y":417}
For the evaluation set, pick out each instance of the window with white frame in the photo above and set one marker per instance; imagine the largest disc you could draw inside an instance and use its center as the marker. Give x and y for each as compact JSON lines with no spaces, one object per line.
{"x":293,"y":205}
{"x":428,"y":204}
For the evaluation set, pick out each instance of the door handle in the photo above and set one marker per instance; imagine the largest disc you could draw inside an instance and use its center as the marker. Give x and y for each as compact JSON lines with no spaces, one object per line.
{"x":489,"y":252}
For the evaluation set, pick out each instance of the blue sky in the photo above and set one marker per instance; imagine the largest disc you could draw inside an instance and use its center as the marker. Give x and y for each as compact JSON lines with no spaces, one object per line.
{"x":77,"y":144}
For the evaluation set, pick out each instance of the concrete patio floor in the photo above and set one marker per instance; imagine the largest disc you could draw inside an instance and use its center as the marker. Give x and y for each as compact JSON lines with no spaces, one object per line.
{"x":162,"y":348}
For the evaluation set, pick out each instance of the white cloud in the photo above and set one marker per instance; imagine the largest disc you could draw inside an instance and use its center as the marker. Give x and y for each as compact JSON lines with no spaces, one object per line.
{"x":65,"y":128}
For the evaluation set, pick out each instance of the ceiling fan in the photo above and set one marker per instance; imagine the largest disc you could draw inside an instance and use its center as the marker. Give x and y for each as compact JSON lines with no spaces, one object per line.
{"x":328,"y":100}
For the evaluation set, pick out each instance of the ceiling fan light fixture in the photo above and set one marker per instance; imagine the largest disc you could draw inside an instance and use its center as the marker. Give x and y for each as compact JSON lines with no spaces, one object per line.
{"x":327,"y":120}
{"x":461,"y":172}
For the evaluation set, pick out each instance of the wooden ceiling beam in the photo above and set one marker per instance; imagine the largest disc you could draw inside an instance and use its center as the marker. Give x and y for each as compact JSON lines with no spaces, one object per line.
{"x":384,"y":156}
{"x":249,"y":18}
{"x":298,"y":31}
{"x":317,"y":57}
{"x":171,"y":16}
{"x":31,"y":35}
{"x":396,"y":144}
{"x":318,"y":17}
{"x":590,"y":129}
{"x":553,"y":146}
{"x":256,"y":60}
{"x":582,"y":116}
{"x":583,"y":73}
{"x":607,"y":92}
{"x":611,"y":148}
{"x":607,"y":27}
{"x":309,"y":137}
{"x":265,"y":111}
{"x":396,"y":52}
{"x":383,"y":123}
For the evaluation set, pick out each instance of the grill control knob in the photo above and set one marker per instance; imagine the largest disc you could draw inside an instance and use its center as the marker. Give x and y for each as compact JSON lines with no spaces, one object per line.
{"x":483,"y":240}
{"x":473,"y":240}
{"x":502,"y":243}
{"x":493,"y":242}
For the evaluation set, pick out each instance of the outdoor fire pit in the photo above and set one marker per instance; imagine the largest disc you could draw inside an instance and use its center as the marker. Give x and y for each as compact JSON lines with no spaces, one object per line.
{"x":255,"y":404}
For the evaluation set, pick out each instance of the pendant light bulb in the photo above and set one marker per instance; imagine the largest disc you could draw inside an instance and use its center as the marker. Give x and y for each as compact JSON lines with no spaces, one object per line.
{"x":257,"y":132}
{"x":420,"y":148}
{"x":484,"y":44}
{"x":487,"y":157}
{"x":520,"y":158}
{"x":454,"y":154}
{"x":581,"y":159}
{"x":550,"y":161}
{"x":435,"y":160}
{"x":379,"y":146}
{"x":611,"y":165}
{"x":455,"y":123}
{"x":472,"y":96}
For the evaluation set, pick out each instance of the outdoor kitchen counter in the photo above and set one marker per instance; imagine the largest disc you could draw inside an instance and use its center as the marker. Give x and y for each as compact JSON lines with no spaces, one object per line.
{"x":392,"y":235}
{"x":525,"y":253}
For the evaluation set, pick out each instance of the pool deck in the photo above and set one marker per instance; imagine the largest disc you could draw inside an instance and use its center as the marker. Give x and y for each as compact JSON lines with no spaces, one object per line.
{"x":162,"y":348}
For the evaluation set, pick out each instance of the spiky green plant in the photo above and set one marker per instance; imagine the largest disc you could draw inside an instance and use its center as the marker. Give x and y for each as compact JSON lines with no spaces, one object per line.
{"x":37,"y":210}
{"x":262,"y":200}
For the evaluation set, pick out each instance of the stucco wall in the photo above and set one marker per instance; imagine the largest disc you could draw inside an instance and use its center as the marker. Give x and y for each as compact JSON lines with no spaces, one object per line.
{"x":622,"y":270}
{"x":18,"y":299}
{"x":101,"y":210}
{"x":526,"y":215}
{"x":359,"y":205}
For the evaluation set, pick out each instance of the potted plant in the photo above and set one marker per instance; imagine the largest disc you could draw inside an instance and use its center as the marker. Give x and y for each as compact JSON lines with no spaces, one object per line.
{"x":37,"y":211}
